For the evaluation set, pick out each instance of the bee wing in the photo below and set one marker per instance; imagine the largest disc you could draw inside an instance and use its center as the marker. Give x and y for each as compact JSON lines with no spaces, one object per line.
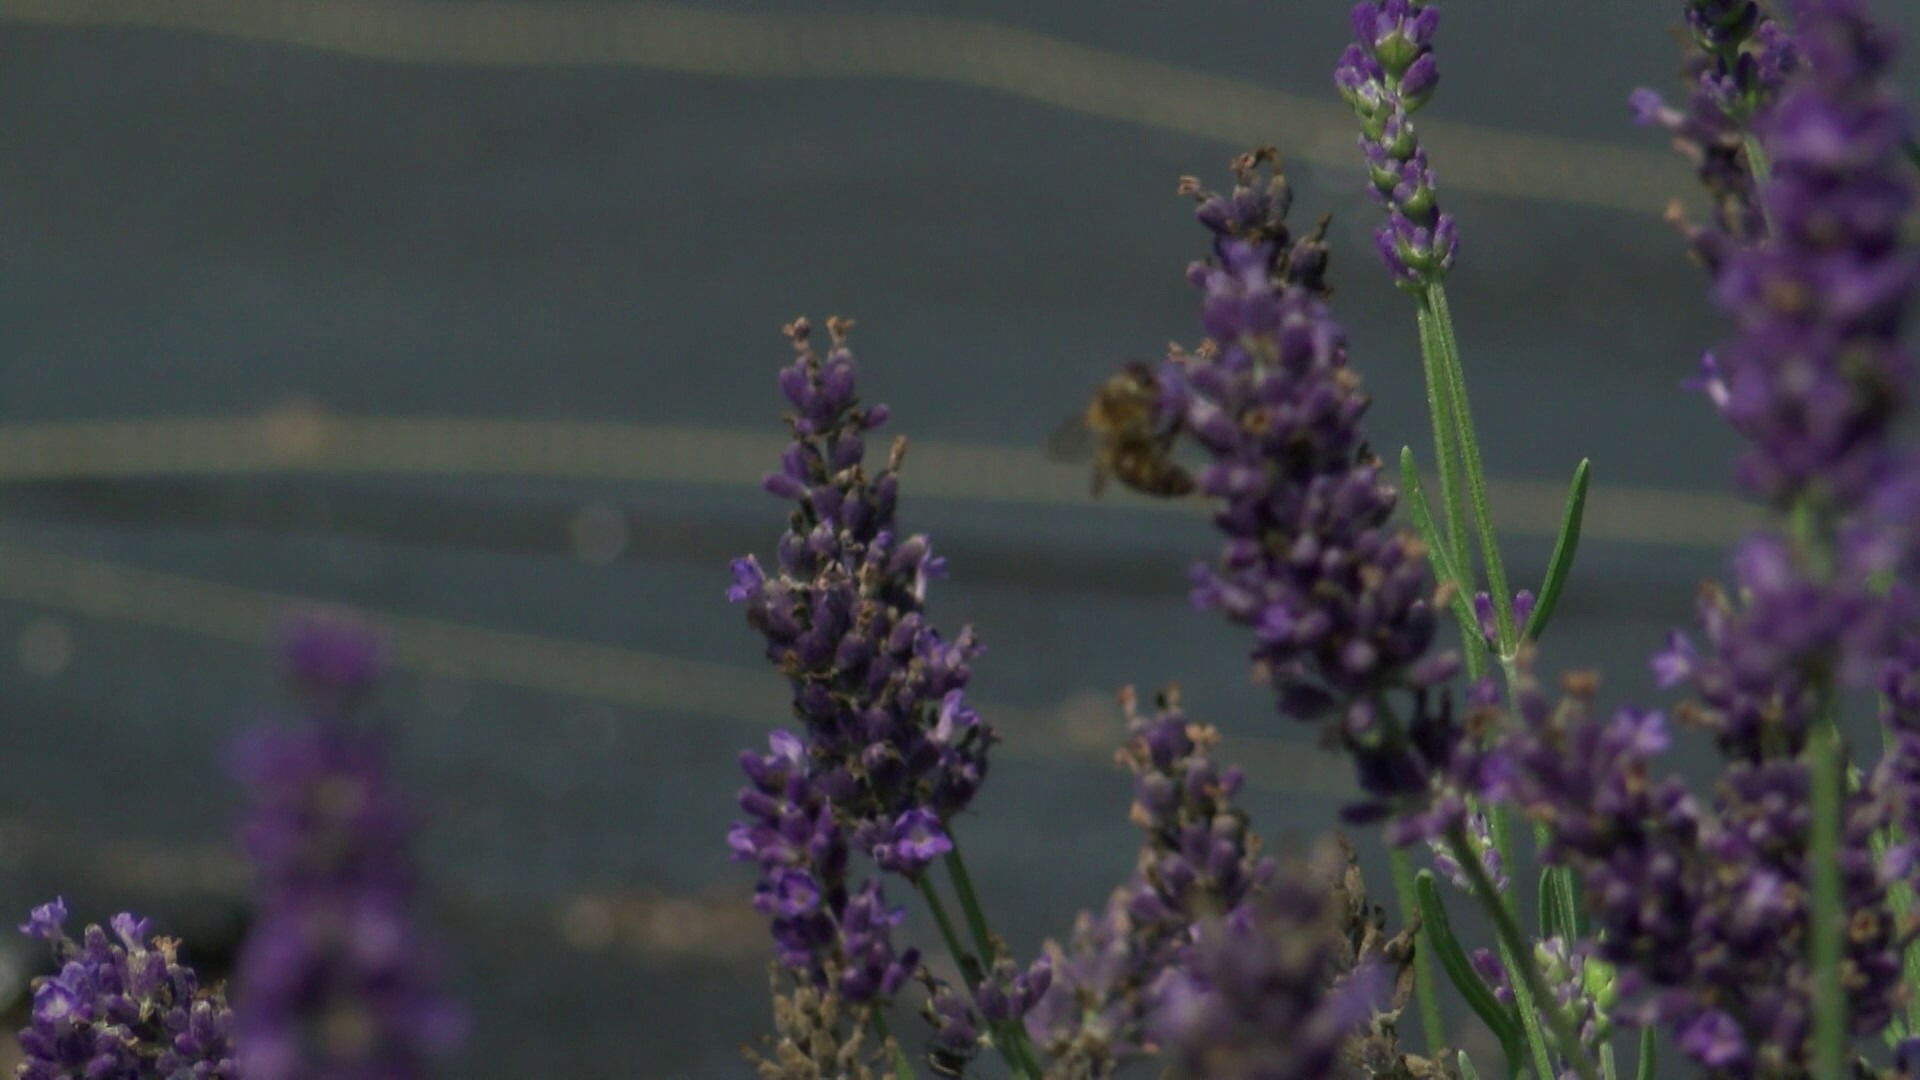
{"x":1073,"y":441}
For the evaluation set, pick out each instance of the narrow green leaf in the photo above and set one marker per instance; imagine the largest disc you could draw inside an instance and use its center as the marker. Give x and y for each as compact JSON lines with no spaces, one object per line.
{"x":1553,"y":917}
{"x":1559,"y":910}
{"x":1454,"y":961}
{"x":1468,"y":445}
{"x":1443,"y":567}
{"x":1467,"y":1071}
{"x":1563,"y":551}
{"x":1913,"y":150}
{"x":1644,"y":1069}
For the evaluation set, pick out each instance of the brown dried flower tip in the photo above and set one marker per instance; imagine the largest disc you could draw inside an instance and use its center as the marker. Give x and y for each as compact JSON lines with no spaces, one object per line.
{"x":816,"y":1036}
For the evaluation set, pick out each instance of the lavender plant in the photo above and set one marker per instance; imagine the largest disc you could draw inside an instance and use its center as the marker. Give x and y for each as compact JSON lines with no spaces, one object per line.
{"x":1763,"y":923}
{"x":1766,"y":925}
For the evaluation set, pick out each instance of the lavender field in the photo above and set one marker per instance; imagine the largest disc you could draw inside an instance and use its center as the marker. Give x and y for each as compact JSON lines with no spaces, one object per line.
{"x":461,"y":320}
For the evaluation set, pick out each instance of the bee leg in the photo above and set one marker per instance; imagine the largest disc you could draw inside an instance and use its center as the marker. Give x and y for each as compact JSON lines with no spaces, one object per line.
{"x":1099,"y":484}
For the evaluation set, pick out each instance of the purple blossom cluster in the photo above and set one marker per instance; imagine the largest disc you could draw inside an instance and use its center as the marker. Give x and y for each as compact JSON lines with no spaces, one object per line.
{"x":1261,"y":995}
{"x":1335,"y":594}
{"x":890,"y":741}
{"x":1816,"y":376}
{"x":122,"y":1007}
{"x":335,"y":981}
{"x":888,"y":749}
{"x":1387,"y":74}
{"x":1703,"y":907}
{"x":1201,"y":860}
{"x":821,"y":926}
{"x":1815,"y":379}
{"x":1740,"y":60}
{"x":1254,"y":212}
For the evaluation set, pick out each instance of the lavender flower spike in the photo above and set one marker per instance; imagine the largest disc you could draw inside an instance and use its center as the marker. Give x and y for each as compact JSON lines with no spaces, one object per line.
{"x":889,"y":740}
{"x":122,"y":1006}
{"x":1201,"y":860}
{"x":1334,"y":593}
{"x":1816,"y":375}
{"x":1734,"y":73}
{"x":334,"y":980}
{"x":1387,"y":74}
{"x":1816,"y":378}
{"x":1254,"y":1001}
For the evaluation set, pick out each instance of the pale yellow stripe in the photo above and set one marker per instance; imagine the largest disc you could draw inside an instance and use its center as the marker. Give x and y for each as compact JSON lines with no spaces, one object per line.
{"x":1087,"y":725}
{"x":296,"y":441}
{"x":1037,"y":67}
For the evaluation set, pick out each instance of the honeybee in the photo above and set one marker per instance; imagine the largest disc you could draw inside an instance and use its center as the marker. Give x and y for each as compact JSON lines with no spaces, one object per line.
{"x":1121,"y":431}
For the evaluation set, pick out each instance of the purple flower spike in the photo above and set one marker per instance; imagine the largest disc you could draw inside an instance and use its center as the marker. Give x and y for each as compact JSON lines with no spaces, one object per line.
{"x":122,"y":1006}
{"x":1335,"y":595}
{"x":887,"y":750}
{"x":1201,"y":859}
{"x":1734,"y":73}
{"x":1255,"y":212}
{"x":335,"y":978}
{"x":1254,"y":1000}
{"x":1386,"y":75}
{"x":1701,"y":906}
{"x":330,"y":657}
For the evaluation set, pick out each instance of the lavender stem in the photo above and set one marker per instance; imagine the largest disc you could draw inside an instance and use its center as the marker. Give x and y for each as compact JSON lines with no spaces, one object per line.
{"x":973,"y":973}
{"x":1513,"y":942}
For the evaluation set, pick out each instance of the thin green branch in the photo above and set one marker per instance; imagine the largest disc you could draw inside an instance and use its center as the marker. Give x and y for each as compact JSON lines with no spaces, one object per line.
{"x":1440,"y":413}
{"x":1469,"y":451}
{"x":1013,"y":1032}
{"x":1762,"y":169}
{"x":970,"y":903}
{"x":971,"y":971}
{"x":969,"y":967}
{"x":1518,"y":954}
{"x":1423,"y":987}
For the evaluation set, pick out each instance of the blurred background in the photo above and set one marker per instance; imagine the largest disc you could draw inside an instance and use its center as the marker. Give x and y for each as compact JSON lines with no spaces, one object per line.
{"x":465,"y":315}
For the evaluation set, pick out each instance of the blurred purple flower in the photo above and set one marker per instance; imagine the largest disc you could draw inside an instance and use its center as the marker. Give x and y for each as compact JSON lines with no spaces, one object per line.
{"x":335,"y":979}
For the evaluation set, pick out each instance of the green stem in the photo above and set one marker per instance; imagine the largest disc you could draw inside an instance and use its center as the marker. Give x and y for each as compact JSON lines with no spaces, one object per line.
{"x":1529,"y":1009}
{"x":969,"y":967}
{"x":970,"y":903}
{"x":1423,"y":986}
{"x":1014,"y":1033}
{"x":1830,"y":1003}
{"x":1452,"y":509}
{"x":1608,"y":1070}
{"x":1762,"y":170}
{"x":1518,"y":955}
{"x":1440,"y":413}
{"x":970,"y":971}
{"x":902,"y":1068}
{"x":1469,"y":445}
